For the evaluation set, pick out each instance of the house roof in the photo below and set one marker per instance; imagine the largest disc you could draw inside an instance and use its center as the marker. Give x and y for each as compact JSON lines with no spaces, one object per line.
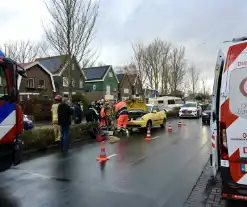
{"x":120,"y":77}
{"x":95,"y":73}
{"x":30,"y":65}
{"x":54,"y":64}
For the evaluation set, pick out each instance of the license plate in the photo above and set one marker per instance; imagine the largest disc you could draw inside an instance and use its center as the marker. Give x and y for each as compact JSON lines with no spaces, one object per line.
{"x":244,"y":168}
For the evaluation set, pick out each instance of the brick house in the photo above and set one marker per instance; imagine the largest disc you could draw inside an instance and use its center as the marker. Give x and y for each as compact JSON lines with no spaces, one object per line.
{"x":39,"y":82}
{"x":101,"y":83}
{"x":129,"y":86}
{"x":58,"y":67}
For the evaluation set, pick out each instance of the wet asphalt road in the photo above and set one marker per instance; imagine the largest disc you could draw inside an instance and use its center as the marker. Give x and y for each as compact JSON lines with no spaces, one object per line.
{"x":158,"y":173}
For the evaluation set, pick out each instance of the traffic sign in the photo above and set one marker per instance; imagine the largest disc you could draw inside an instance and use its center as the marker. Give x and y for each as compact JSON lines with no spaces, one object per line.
{"x":156,"y":93}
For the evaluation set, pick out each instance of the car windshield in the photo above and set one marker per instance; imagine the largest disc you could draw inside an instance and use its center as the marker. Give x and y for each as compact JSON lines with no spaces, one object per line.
{"x":189,"y":105}
{"x":150,"y":108}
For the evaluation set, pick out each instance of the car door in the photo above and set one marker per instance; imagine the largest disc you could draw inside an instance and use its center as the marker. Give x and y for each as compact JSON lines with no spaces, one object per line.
{"x":156,"y":116}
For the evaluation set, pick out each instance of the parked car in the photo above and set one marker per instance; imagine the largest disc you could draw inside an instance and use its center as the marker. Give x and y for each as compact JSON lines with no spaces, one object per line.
{"x":142,"y":116}
{"x":28,"y":124}
{"x":190,"y":109}
{"x":206,"y":115}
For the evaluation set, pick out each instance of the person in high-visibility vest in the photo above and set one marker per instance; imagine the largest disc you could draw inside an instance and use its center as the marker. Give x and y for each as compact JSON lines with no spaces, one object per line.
{"x":104,"y":114}
{"x":56,"y":127}
{"x":122,"y":116}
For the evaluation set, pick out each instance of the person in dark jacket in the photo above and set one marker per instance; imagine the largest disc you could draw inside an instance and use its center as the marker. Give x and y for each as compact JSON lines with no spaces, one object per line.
{"x":64,"y":120}
{"x":91,"y":114}
{"x":77,"y":116}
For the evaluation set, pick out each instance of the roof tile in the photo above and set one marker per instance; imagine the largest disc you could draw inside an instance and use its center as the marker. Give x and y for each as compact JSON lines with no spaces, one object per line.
{"x":95,"y":73}
{"x":53,"y":64}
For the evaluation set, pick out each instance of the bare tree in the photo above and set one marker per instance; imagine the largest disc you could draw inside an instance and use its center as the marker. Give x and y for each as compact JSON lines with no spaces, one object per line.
{"x":71,"y":30}
{"x":138,"y":64}
{"x":193,"y":79}
{"x":165,"y":67}
{"x":153,"y":59}
{"x":25,"y":50}
{"x":177,"y":70}
{"x":151,"y":62}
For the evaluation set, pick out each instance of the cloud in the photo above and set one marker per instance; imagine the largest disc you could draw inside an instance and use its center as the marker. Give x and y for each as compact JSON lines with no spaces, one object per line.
{"x":201,"y":26}
{"x":21,"y":19}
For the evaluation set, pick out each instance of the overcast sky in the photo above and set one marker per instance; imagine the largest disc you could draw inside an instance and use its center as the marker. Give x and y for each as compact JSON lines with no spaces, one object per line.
{"x":201,"y":26}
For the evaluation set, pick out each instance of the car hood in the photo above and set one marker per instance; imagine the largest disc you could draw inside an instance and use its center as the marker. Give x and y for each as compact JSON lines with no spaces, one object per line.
{"x":207,"y":111}
{"x":137,"y":106}
{"x":188,"y":108}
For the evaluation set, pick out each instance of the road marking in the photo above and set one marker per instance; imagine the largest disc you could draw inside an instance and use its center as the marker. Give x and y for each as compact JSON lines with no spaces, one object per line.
{"x":112,"y":156}
{"x":156,"y":137}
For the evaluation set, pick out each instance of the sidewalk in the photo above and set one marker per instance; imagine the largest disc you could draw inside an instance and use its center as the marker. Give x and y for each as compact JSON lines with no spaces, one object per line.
{"x":206,"y":192}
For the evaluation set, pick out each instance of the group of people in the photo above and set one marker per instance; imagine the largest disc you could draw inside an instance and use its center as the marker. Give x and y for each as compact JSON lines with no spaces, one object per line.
{"x":105,"y":112}
{"x":102,"y":112}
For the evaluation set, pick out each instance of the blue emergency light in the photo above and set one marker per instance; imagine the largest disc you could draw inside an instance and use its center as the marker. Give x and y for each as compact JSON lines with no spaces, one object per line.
{"x":1,"y":54}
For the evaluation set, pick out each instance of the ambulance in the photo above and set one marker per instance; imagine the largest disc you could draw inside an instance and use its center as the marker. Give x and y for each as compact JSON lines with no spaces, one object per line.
{"x":229,"y":120}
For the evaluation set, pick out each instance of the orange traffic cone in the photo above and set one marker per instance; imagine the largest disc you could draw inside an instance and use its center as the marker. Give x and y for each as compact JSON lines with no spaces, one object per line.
{"x":102,"y":157}
{"x":170,"y":127}
{"x":148,"y":137}
{"x":179,"y":123}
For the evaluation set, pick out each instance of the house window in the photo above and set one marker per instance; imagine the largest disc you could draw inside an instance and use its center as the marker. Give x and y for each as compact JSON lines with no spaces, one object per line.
{"x":41,"y":84}
{"x":110,"y":74}
{"x":94,"y":87}
{"x":30,"y":82}
{"x":126,"y":90}
{"x":65,"y":82}
{"x":108,"y":90}
{"x":81,"y":84}
{"x":73,"y":66}
{"x":115,"y":89}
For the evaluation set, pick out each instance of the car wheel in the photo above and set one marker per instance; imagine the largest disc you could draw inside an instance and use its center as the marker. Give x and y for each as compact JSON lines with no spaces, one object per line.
{"x":163,"y":125}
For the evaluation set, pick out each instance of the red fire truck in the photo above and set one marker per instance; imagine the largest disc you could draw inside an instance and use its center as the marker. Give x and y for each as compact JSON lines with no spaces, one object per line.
{"x":11,"y":115}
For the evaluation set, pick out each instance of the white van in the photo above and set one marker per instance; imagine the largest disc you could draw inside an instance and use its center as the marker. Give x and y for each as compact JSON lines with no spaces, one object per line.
{"x":229,"y":121}
{"x":166,"y":101}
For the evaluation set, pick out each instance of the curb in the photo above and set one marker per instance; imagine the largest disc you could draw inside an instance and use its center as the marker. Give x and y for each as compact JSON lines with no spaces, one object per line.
{"x":54,"y":146}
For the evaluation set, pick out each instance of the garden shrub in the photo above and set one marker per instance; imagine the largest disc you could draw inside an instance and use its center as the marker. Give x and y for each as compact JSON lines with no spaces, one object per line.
{"x":41,"y":138}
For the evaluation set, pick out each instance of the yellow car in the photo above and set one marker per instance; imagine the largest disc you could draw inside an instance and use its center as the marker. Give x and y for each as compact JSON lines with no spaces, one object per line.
{"x":143,"y":115}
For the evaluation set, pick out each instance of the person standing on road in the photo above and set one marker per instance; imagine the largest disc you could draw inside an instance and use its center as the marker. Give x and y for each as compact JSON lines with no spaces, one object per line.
{"x":56,"y":127}
{"x":64,"y":120}
{"x":77,"y":113}
{"x":122,"y":116}
{"x":91,"y":114}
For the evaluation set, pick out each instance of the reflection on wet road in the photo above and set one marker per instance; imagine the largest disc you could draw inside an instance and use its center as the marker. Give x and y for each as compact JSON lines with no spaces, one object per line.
{"x":158,"y":173}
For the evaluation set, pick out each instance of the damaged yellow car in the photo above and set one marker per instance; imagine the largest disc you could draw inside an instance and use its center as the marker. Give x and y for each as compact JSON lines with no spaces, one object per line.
{"x":143,"y":115}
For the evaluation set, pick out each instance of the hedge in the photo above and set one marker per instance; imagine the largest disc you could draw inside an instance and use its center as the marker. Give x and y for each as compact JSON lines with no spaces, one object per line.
{"x":41,"y":138}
